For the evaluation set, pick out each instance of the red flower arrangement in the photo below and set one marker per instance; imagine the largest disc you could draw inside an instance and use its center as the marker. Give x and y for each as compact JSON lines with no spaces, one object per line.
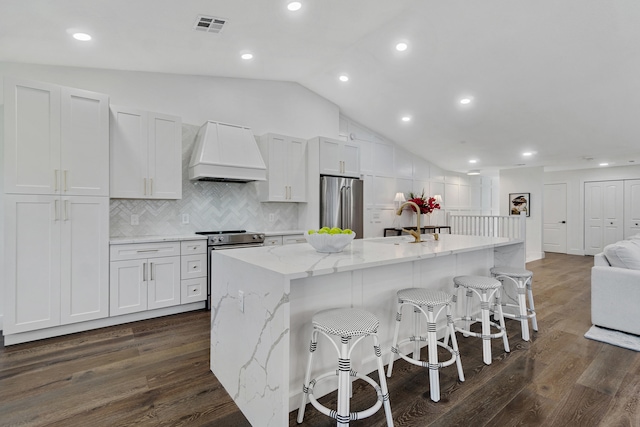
{"x":427,"y":205}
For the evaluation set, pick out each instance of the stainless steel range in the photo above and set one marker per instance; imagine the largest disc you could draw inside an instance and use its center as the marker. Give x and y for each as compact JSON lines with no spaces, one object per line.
{"x":227,"y":239}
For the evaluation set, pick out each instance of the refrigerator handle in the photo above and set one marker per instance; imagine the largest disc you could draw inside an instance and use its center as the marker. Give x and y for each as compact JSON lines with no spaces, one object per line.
{"x":343,"y":206}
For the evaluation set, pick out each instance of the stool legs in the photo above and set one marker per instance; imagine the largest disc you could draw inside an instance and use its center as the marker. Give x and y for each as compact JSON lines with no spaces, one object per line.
{"x":383,"y":382}
{"x":523,"y":287}
{"x":307,"y":375}
{"x":534,"y":320}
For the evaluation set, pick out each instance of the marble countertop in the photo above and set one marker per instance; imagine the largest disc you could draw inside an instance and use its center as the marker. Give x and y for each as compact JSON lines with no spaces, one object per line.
{"x":152,"y":239}
{"x":302,"y":260}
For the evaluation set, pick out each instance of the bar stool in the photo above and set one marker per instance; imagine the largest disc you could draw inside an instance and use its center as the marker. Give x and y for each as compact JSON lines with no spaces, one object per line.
{"x":346,"y":323}
{"x":485,"y":288}
{"x":521,"y":278}
{"x":434,"y":302}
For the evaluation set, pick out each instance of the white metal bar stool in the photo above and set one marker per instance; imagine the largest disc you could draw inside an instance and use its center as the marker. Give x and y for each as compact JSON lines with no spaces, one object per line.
{"x":346,"y":323}
{"x":434,"y":302}
{"x":485,"y":288}
{"x":522,"y":279}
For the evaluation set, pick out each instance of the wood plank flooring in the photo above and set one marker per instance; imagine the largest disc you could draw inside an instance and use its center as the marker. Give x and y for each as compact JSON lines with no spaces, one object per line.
{"x":156,"y":373}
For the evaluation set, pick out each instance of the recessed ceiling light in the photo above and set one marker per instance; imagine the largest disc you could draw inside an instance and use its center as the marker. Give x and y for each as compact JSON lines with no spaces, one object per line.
{"x":604,"y":164}
{"x":406,"y":119}
{"x":401,"y":47}
{"x":527,"y":154}
{"x":465,"y":101}
{"x":294,"y":5}
{"x":83,"y":37}
{"x":473,"y":161}
{"x":343,"y":78}
{"x":247,"y":56}
{"x":473,"y":172}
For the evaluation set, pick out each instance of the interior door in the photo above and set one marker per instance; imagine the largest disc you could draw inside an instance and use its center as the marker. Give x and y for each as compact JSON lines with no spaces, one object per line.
{"x":555,"y":218}
{"x":603,"y":214}
{"x":631,"y":208}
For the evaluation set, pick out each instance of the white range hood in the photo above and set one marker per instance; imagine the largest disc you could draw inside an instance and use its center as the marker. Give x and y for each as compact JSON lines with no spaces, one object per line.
{"x":225,"y":152}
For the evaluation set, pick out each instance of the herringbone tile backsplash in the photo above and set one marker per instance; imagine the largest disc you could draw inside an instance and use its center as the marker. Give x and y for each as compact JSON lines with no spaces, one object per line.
{"x":210,"y":205}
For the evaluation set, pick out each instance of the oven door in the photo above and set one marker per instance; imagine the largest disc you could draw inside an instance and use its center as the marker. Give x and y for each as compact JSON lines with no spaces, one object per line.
{"x":221,"y":248}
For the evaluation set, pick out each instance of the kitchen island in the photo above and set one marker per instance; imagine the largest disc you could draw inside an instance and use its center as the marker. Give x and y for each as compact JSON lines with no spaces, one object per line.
{"x":263,"y":300}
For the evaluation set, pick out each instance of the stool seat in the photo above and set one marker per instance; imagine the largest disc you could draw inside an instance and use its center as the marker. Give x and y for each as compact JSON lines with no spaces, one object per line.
{"x":511,"y":271}
{"x":422,"y":296}
{"x":477,"y":282}
{"x":346,"y":322}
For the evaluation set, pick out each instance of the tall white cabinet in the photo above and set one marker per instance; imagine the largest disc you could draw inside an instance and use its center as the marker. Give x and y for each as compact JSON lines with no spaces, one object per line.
{"x":340,"y":158}
{"x":56,"y":205}
{"x":146,"y":154}
{"x":286,"y":161}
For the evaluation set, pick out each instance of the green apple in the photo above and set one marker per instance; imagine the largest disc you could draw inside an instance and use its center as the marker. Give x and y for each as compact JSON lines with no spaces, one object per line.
{"x":347,"y":231}
{"x":323,"y":231}
{"x":311,"y":232}
{"x":335,"y":230}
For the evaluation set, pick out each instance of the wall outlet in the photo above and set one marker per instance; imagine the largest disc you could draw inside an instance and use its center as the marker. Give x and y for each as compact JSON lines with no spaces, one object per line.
{"x":185,"y":218}
{"x":272,"y":217}
{"x":135,"y":219}
{"x":241,"y":301}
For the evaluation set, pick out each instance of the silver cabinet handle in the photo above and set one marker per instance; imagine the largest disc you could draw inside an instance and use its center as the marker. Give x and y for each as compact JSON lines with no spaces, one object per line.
{"x":151,"y":186}
{"x":66,"y":210}
{"x":145,"y":186}
{"x":147,"y":250}
{"x":151,"y":271}
{"x":66,"y":176}
{"x":144,"y":271}
{"x":55,"y":180}
{"x":55,"y":210}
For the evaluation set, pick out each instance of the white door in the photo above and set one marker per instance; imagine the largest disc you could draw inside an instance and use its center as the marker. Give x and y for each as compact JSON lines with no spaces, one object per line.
{"x":127,"y":286}
{"x":603,"y":213}
{"x":32,"y":262}
{"x":555,"y":218}
{"x":84,"y":161}
{"x":128,"y":153}
{"x":631,"y":208}
{"x":165,"y":157}
{"x":164,"y":282}
{"x":85,"y":259}
{"x":32,"y":137}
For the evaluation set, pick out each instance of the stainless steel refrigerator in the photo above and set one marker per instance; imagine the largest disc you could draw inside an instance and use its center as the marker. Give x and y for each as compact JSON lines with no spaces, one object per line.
{"x":341,"y":203}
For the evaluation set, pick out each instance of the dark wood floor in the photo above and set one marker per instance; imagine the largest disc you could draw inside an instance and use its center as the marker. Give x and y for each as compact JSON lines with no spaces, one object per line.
{"x":156,"y":373}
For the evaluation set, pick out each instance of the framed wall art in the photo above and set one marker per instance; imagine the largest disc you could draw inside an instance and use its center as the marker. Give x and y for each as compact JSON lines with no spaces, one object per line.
{"x":519,"y":202}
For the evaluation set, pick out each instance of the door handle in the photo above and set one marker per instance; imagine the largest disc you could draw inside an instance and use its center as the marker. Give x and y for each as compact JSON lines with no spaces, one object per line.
{"x":144,"y":271}
{"x":66,"y":210}
{"x":563,"y":222}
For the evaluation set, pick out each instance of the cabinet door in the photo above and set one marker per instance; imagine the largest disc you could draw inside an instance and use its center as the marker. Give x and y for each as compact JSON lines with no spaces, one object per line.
{"x":85,"y":259}
{"x":128,"y":153}
{"x":84,"y":161}
{"x":165,"y":157}
{"x":32,"y":137}
{"x":164,"y":282}
{"x":127,"y":286}
{"x":351,"y":159}
{"x":297,"y":170}
{"x":32,"y":262}
{"x":330,"y":157}
{"x":277,"y":169}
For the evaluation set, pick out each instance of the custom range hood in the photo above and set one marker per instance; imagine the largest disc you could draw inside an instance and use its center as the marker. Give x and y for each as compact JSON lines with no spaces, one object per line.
{"x":225,"y":152}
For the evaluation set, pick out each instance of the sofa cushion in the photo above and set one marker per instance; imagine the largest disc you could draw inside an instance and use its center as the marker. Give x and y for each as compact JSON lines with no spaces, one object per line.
{"x":624,"y":254}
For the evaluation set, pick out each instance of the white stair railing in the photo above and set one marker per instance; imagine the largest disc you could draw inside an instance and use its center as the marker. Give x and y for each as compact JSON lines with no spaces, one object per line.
{"x":513,"y":226}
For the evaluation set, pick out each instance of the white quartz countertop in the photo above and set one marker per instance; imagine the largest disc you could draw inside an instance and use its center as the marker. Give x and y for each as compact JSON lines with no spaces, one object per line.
{"x":302,"y":260}
{"x":152,"y":239}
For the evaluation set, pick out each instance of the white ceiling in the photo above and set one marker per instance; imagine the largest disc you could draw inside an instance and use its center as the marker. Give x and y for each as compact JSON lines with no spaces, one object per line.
{"x":557,"y":77}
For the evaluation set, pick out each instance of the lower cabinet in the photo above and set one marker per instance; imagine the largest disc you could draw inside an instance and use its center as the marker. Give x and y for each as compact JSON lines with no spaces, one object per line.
{"x":144,"y":276}
{"x":286,"y":239}
{"x":193,"y":271}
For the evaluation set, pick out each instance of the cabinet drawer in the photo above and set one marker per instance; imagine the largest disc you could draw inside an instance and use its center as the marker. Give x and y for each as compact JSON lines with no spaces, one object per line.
{"x":273,"y":241}
{"x":143,"y":250}
{"x":296,"y":238}
{"x":193,"y":266}
{"x":193,"y":290}
{"x":192,"y":247}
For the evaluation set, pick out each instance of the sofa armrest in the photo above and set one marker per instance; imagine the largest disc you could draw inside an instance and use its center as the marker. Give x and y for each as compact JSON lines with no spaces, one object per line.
{"x":600,"y":259}
{"x":615,"y":298}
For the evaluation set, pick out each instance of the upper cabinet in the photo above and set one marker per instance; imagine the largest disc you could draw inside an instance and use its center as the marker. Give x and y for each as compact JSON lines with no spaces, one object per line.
{"x":56,"y":139}
{"x":339,"y":158}
{"x":286,"y":161}
{"x":146,"y":154}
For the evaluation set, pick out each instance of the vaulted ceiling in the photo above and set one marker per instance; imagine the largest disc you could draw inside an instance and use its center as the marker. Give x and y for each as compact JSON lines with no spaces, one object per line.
{"x":557,"y":78}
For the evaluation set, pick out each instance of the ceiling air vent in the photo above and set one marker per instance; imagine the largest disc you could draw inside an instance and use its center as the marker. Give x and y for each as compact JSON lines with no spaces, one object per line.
{"x":210,"y":24}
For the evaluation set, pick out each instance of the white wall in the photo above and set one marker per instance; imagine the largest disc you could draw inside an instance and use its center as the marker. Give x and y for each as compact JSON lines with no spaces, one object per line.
{"x":575,"y":180}
{"x":526,"y":180}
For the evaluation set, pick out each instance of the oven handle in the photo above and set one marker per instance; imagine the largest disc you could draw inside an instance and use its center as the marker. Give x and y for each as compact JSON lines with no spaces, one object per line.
{"x":227,"y":247}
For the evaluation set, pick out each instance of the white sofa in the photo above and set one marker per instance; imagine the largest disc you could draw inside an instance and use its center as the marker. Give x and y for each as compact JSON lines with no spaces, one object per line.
{"x":615,"y":286}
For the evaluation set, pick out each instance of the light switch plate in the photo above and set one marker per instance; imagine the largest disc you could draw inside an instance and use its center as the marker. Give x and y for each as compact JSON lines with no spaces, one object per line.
{"x":135,"y":219}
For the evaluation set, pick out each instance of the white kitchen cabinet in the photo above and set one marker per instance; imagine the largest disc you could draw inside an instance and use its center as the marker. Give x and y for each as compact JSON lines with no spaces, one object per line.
{"x":144,"y":276}
{"x":146,"y":154}
{"x":273,"y":241}
{"x":56,"y":139}
{"x":339,"y":158}
{"x":193,"y":271}
{"x":56,"y":260}
{"x":286,"y":160}
{"x":293,"y":238}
